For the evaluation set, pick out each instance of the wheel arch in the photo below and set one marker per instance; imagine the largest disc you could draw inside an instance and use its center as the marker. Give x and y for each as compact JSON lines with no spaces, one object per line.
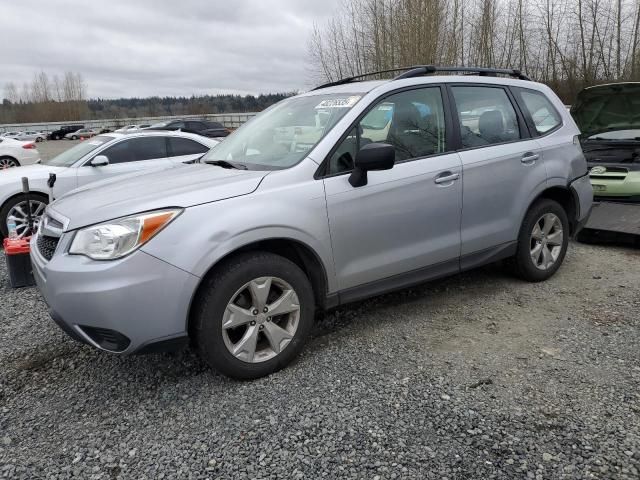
{"x":565,"y":197}
{"x":294,"y":250}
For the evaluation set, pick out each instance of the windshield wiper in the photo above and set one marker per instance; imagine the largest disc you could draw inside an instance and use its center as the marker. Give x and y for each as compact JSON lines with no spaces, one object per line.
{"x":225,"y":164}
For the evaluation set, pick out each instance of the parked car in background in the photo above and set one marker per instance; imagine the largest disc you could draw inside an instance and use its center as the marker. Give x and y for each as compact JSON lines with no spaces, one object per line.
{"x":83,"y":133}
{"x":132,"y":128}
{"x":101,"y":157}
{"x":281,"y":220}
{"x":14,"y":153}
{"x":609,"y":118}
{"x":200,"y":127}
{"x":11,"y":134}
{"x":62,"y":131}
{"x":31,"y":136}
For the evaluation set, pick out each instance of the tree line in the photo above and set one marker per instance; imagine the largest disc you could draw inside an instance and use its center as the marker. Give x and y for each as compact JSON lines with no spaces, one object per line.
{"x":567,"y":44}
{"x":59,"y":99}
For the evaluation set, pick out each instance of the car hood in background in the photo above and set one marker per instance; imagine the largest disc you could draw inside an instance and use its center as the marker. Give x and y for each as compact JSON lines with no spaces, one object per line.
{"x":182,"y":186}
{"x":606,"y":108}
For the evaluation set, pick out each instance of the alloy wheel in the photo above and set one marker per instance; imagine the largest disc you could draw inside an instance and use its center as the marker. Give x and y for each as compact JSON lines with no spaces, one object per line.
{"x":547,"y":239}
{"x":261,"y":319}
{"x":18,"y":214}
{"x":8,"y":163}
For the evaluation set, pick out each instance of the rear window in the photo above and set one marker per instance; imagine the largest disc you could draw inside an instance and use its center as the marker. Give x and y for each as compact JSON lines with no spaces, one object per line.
{"x":542,"y":115}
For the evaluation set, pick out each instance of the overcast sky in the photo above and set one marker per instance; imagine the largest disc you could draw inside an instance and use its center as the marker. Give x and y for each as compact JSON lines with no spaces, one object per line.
{"x":127,"y":48}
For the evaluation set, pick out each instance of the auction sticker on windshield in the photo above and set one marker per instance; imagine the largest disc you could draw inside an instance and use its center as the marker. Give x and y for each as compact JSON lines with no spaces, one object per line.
{"x":344,"y":102}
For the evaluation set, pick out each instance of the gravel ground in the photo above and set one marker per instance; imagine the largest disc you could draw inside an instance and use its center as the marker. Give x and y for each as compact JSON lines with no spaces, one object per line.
{"x":50,"y":148}
{"x":479,"y":376}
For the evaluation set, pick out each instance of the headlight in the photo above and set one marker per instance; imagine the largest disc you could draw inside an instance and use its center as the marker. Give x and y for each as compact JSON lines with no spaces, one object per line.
{"x":117,"y":238}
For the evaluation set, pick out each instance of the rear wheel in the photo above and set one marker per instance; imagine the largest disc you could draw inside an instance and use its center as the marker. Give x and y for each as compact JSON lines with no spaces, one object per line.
{"x":8,"y":162}
{"x":543,"y":241}
{"x":253,"y":315}
{"x":16,"y":210}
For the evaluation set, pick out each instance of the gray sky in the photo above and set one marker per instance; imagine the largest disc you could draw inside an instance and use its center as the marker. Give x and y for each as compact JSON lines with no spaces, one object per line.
{"x":127,"y":48}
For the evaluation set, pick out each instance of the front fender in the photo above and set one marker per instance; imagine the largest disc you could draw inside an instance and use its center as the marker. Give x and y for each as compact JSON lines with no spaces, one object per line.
{"x":204,"y":234}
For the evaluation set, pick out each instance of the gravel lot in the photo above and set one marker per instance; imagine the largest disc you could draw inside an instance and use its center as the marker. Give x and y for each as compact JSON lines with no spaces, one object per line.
{"x":51,"y":148}
{"x":478,"y":376}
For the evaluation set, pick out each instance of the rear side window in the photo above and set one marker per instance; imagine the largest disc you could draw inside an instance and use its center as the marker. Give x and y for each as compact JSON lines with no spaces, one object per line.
{"x":184,"y":146}
{"x":137,"y":149}
{"x":487,"y":116}
{"x":542,"y":115}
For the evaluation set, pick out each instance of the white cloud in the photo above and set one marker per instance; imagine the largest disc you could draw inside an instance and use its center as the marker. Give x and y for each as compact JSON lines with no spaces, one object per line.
{"x":127,"y":48}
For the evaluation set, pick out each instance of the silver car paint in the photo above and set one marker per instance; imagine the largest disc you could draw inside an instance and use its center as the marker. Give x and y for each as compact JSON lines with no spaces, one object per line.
{"x":357,"y":236}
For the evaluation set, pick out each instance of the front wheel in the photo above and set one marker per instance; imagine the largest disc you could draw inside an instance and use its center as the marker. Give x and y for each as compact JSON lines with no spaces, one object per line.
{"x":543,"y":241}
{"x":16,"y":209}
{"x":253,"y":315}
{"x":74,"y":138}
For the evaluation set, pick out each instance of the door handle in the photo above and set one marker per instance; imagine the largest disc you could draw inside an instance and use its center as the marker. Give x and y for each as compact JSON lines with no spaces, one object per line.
{"x":446,"y":177}
{"x":529,"y":158}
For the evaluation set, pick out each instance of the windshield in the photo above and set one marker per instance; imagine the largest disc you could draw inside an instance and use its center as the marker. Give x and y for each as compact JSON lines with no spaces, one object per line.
{"x":282,"y":136}
{"x":157,"y":125}
{"x":609,"y":113}
{"x":71,"y":156}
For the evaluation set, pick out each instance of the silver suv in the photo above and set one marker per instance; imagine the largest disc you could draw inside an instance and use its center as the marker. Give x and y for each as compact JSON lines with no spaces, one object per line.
{"x":351,"y":190}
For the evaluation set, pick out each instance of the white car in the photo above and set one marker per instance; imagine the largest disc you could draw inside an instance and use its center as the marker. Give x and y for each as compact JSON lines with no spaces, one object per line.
{"x":14,"y":153}
{"x":132,"y":128}
{"x":96,"y":159}
{"x":31,"y":136}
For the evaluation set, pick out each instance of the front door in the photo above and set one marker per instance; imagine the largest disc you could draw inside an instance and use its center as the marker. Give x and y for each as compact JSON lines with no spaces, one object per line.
{"x":406,"y":221}
{"x":126,"y":156}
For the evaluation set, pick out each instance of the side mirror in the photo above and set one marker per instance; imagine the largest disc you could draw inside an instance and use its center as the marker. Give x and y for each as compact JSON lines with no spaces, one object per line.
{"x":374,"y":156}
{"x":99,"y":161}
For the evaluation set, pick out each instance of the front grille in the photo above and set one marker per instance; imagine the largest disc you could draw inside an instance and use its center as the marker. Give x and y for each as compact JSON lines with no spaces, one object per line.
{"x":608,"y":177}
{"x":107,"y":339}
{"x":47,"y":246}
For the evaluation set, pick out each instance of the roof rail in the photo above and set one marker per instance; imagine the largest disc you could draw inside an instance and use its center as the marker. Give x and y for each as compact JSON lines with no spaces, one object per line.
{"x":420,"y":70}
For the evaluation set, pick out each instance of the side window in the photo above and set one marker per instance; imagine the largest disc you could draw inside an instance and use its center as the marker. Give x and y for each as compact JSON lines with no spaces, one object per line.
{"x":542,"y":113}
{"x":137,"y":149}
{"x":412,"y":121}
{"x":195,"y":126}
{"x":184,"y":146}
{"x":486,"y":116}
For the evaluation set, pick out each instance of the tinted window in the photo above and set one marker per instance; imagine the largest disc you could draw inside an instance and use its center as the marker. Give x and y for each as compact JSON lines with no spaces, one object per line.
{"x":175,"y":125}
{"x":411,"y":121}
{"x":184,"y":146}
{"x":214,"y":125}
{"x":136,"y":149}
{"x":195,"y":126}
{"x":540,"y":109}
{"x":486,"y":116}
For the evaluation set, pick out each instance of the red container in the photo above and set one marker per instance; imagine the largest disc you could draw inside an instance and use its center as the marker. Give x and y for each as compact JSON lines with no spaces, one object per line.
{"x":18,"y":262}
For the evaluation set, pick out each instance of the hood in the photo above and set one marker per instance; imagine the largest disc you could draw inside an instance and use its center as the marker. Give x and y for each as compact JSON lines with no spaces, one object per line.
{"x":604,"y":109}
{"x":183,"y":186}
{"x":32,"y":172}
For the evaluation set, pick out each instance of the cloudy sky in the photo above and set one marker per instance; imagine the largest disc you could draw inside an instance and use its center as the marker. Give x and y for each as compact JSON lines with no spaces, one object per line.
{"x":127,"y":48}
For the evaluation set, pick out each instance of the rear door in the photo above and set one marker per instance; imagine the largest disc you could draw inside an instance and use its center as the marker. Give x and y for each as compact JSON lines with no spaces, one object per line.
{"x":128,"y":155}
{"x":502,"y":167}
{"x":185,"y":150}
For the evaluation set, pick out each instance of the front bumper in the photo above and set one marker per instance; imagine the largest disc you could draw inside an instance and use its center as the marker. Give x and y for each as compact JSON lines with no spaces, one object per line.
{"x":123,"y":306}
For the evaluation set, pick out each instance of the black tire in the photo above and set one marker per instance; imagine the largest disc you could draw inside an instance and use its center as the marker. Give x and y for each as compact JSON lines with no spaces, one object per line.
{"x":523,"y":265}
{"x":4,"y":211}
{"x":74,"y":138}
{"x":219,"y":290}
